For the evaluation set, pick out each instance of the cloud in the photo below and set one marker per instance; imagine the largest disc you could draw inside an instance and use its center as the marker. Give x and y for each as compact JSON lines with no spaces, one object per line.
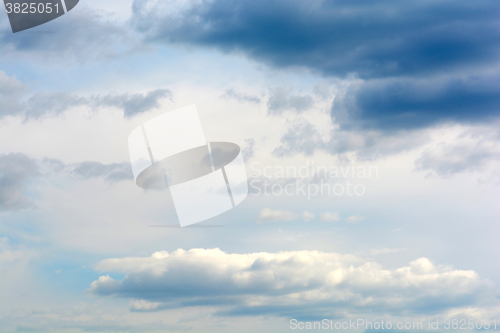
{"x":282,"y":99}
{"x":298,"y":284}
{"x":133,"y":104}
{"x":329,"y":217}
{"x":249,"y":149}
{"x":268,"y":215}
{"x":242,"y":97}
{"x":307,"y":216}
{"x":79,"y":37}
{"x":110,"y":172}
{"x":15,"y":102}
{"x":11,"y":91}
{"x":7,"y":253}
{"x":406,"y":103}
{"x":419,"y":63}
{"x":50,"y":104}
{"x":372,"y":39}
{"x":471,"y":151}
{"x":356,"y":218}
{"x":302,"y":137}
{"x":16,"y":170}
{"x":385,"y":250}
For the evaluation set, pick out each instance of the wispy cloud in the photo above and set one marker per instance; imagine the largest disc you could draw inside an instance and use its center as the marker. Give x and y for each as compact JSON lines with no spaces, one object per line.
{"x":240,"y":96}
{"x":283,"y":99}
{"x":16,"y":102}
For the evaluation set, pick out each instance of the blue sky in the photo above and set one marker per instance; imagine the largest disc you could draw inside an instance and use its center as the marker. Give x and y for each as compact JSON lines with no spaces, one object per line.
{"x":410,"y":90}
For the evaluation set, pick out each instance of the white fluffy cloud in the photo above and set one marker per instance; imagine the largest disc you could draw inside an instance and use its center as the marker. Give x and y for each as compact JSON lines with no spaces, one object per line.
{"x":329,"y":217}
{"x":267,"y":215}
{"x":286,"y":283}
{"x":356,"y":218}
{"x":308,"y":216}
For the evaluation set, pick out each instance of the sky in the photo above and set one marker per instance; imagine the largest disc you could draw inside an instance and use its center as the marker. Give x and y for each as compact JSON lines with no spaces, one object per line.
{"x":371,"y":138}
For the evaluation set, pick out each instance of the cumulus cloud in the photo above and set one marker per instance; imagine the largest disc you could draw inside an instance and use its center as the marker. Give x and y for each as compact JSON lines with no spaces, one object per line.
{"x":16,"y":170}
{"x":329,"y":217}
{"x":299,"y":284}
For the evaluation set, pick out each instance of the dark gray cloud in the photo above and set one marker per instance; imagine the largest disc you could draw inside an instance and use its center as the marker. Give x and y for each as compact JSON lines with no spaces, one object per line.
{"x":110,"y":172}
{"x":15,"y":102}
{"x":242,"y":97}
{"x":16,"y":170}
{"x":283,"y":98}
{"x":412,"y":103}
{"x":286,"y":283}
{"x":372,"y":39}
{"x":398,"y":48}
